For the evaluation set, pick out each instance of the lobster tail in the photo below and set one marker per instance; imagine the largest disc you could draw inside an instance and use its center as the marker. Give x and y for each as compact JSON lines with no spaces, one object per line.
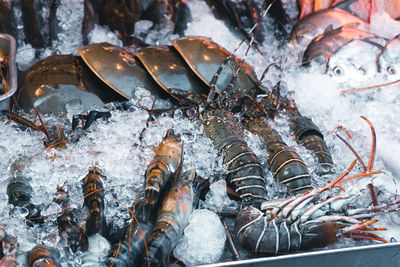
{"x":284,"y":162}
{"x":258,"y":234}
{"x":244,"y":172}
{"x":244,"y":169}
{"x":309,"y":136}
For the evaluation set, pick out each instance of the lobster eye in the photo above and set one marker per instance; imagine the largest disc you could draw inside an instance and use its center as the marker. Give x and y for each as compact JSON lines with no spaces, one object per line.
{"x":391,"y":70}
{"x":338,"y":71}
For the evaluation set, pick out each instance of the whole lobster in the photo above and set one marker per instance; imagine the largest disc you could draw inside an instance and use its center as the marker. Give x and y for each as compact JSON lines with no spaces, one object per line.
{"x":307,"y":220}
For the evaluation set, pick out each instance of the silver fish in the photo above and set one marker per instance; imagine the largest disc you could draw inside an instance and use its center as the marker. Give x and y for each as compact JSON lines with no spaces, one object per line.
{"x":323,"y":46}
{"x":355,"y":61}
{"x":316,"y":23}
{"x":359,"y":8}
{"x":389,"y":59}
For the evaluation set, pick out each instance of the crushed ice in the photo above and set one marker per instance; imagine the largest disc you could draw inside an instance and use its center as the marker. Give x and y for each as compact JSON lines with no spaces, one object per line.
{"x":116,"y":148}
{"x":217,"y":198}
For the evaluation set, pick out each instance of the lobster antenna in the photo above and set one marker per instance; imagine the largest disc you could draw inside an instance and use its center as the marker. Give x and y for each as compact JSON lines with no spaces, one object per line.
{"x":368,"y":87}
{"x":373,"y":146}
{"x":234,"y":77}
{"x":214,"y":80}
{"x":43,"y":126}
{"x":354,"y":152}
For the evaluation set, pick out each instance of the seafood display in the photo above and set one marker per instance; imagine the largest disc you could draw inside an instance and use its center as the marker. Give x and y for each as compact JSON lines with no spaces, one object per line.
{"x":143,"y":133}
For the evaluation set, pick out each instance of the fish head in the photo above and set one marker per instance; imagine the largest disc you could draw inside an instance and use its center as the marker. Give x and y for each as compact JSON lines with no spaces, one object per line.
{"x":389,"y":60}
{"x":355,"y":61}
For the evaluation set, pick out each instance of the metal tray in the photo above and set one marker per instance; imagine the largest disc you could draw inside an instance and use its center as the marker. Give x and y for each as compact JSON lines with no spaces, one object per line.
{"x":8,"y":47}
{"x":382,"y":255}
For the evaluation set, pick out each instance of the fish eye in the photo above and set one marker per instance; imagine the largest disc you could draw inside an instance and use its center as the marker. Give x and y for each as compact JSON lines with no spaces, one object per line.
{"x":338,"y":71}
{"x":391,"y":70}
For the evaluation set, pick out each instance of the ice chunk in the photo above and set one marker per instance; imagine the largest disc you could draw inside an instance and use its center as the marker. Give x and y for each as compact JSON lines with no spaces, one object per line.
{"x":25,"y":55}
{"x":142,"y":26}
{"x":98,"y":248}
{"x":101,"y":34}
{"x":217,"y":199}
{"x":98,"y":244}
{"x":69,"y":17}
{"x":203,"y":241}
